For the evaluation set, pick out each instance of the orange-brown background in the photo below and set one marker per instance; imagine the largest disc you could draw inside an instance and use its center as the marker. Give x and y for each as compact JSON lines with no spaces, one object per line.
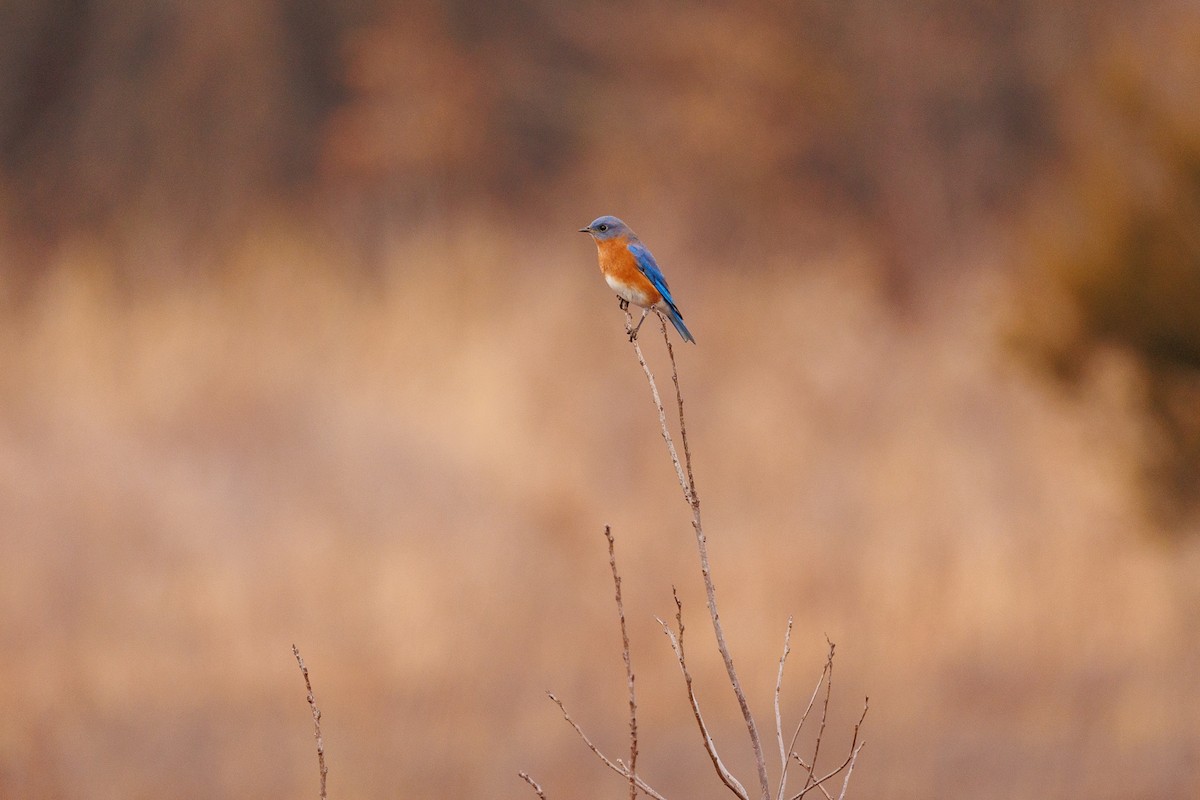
{"x":299,"y":345}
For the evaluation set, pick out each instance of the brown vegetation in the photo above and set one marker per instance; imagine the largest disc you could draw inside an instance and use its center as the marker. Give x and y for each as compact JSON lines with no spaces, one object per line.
{"x":298,"y":344}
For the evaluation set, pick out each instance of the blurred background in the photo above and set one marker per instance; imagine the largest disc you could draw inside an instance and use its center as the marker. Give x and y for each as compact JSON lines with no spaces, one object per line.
{"x":299,"y":344}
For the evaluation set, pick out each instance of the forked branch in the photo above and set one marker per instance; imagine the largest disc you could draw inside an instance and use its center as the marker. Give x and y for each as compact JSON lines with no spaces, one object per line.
{"x":676,"y":637}
{"x":625,"y":652}
{"x":628,"y":771}
{"x":787,"y":752}
{"x":811,"y":782}
{"x":615,"y":766}
{"x":687,"y":482}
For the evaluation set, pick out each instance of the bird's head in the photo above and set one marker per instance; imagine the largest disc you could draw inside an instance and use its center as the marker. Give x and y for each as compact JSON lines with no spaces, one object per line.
{"x":606,"y":227}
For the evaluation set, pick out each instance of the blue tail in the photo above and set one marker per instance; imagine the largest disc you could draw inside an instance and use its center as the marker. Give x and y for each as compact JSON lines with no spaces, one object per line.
{"x":677,"y":320}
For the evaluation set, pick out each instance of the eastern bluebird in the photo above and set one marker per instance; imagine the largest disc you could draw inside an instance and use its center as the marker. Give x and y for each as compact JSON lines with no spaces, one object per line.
{"x":631,"y":271}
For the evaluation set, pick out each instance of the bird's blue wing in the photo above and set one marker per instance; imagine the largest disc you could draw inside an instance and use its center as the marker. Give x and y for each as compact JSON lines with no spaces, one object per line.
{"x":649,"y":267}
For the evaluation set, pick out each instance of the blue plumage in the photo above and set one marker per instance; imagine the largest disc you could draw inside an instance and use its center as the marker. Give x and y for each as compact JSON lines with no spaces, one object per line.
{"x":649,"y":267}
{"x":631,"y":271}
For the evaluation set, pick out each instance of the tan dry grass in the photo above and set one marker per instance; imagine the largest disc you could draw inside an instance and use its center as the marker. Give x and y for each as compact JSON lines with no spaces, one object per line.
{"x":408,"y":477}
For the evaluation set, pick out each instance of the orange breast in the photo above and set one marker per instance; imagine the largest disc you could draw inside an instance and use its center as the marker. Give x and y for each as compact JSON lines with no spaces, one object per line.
{"x":622,"y":274}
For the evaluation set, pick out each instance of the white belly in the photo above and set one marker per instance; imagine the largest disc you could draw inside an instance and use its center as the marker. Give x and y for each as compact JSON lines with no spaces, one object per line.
{"x":628,"y":292}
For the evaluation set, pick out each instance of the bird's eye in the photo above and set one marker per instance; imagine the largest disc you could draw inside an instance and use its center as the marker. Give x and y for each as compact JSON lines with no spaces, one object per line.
{"x":603,"y":226}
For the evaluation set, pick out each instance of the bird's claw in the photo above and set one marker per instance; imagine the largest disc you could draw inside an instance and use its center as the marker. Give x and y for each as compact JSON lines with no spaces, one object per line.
{"x":623,"y":303}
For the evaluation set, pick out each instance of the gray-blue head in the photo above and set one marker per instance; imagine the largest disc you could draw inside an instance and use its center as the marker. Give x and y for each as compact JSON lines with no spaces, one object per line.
{"x":607,"y":227}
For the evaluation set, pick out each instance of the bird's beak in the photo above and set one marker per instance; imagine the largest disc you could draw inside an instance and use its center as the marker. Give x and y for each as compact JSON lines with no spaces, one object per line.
{"x":585,"y":230}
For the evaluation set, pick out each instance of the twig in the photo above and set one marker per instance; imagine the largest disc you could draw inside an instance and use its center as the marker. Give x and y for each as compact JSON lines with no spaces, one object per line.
{"x":525,"y":777}
{"x":848,"y":764}
{"x":800,"y":725}
{"x":694,"y":499}
{"x":615,"y":766}
{"x":629,"y":771}
{"x":725,"y":775}
{"x":783,"y":750}
{"x":316,"y":715}
{"x":687,"y":483}
{"x":849,"y":771}
{"x":824,"y":718}
{"x":684,"y":483}
{"x":625,"y":652}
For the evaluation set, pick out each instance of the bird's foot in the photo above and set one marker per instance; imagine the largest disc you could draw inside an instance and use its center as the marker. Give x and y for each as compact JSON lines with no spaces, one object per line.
{"x":623,"y":303}
{"x":633,"y":332}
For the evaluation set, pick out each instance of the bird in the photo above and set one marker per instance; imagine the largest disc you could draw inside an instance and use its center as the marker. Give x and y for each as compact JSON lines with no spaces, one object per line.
{"x":631,"y":271}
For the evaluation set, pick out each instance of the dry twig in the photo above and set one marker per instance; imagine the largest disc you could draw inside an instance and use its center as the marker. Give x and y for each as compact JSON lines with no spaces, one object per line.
{"x":848,"y":764}
{"x":525,"y":777}
{"x":824,"y":717}
{"x":625,"y":652}
{"x":628,"y":771}
{"x":710,"y":747}
{"x":316,"y":715}
{"x":688,"y":483}
{"x":812,"y":782}
{"x":783,"y":750}
{"x":803,"y":717}
{"x":615,"y":766}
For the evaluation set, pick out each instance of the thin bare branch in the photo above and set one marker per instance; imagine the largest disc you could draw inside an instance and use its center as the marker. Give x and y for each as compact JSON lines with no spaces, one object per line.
{"x":625,"y":653}
{"x":803,"y":718}
{"x":809,"y":781}
{"x":783,"y":750}
{"x":824,"y":791}
{"x":850,"y":771}
{"x":710,"y":746}
{"x":596,"y":750}
{"x":855,"y":746}
{"x":684,"y":483}
{"x":615,"y":766}
{"x":525,"y":777}
{"x":694,"y":499}
{"x":687,"y":483}
{"x":316,"y":715}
